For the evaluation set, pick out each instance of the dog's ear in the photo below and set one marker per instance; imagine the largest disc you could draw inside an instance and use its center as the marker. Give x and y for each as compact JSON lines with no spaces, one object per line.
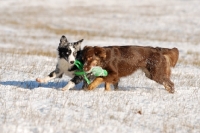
{"x":100,"y":52}
{"x":77,"y":44}
{"x":80,"y":41}
{"x":63,"y":40}
{"x":85,"y":49}
{"x":84,"y":52}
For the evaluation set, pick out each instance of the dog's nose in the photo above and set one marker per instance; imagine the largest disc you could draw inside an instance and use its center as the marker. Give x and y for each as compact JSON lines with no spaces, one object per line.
{"x":72,"y":62}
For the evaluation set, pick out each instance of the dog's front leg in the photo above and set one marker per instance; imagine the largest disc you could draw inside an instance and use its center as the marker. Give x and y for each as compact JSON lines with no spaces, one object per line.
{"x":95,"y":83}
{"x":111,"y":78}
{"x":69,"y":85}
{"x":55,"y":74}
{"x":107,"y":86}
{"x":72,"y":82}
{"x":116,"y":86}
{"x":91,"y":77}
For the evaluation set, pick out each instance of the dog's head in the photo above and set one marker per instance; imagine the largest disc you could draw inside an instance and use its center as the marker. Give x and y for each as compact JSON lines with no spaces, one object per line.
{"x":68,"y":50}
{"x":93,"y":56}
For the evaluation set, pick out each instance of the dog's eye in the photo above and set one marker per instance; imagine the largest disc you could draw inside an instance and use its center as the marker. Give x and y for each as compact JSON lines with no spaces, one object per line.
{"x":68,"y":52}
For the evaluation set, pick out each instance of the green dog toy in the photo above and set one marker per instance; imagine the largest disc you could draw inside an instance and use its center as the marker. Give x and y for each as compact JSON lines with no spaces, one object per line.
{"x":96,"y":71}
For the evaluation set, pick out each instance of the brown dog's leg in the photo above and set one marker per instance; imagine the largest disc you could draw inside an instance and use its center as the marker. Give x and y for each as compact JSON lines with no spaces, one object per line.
{"x":169,"y":86}
{"x":107,"y":86}
{"x":95,"y":83}
{"x":116,"y":86}
{"x":167,"y":83}
{"x":158,"y":69}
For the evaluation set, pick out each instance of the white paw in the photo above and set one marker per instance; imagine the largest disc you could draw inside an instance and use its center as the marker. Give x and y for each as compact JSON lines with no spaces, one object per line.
{"x":39,"y":80}
{"x":65,"y":89}
{"x":68,"y":86}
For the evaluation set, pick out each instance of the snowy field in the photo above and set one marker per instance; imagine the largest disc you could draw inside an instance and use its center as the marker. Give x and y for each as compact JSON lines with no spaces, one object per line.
{"x":29,"y":36}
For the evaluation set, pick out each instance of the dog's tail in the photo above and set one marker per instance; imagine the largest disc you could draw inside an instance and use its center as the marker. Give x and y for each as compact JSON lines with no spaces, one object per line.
{"x":171,"y":55}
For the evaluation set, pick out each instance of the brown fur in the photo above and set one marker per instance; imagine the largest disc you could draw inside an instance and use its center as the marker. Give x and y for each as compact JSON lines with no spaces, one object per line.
{"x":121,"y":61}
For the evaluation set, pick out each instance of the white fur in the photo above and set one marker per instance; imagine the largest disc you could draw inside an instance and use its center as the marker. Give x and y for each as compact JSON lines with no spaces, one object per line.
{"x":63,"y":65}
{"x":71,"y":56}
{"x":68,"y":86}
{"x":45,"y":80}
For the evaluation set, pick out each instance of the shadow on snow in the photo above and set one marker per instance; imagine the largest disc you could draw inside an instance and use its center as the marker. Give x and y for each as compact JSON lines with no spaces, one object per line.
{"x":134,"y":88}
{"x":58,"y":85}
{"x":33,"y":84}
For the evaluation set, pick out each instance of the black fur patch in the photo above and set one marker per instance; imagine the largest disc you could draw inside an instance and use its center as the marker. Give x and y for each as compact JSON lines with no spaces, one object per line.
{"x":64,"y":52}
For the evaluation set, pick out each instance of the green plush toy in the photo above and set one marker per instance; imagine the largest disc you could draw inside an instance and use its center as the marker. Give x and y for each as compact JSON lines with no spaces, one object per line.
{"x":96,"y":71}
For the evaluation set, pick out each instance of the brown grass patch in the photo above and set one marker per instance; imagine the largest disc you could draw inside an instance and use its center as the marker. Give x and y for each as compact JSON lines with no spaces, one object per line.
{"x":39,"y":52}
{"x":166,"y":36}
{"x":31,"y":18}
{"x":195,"y":59}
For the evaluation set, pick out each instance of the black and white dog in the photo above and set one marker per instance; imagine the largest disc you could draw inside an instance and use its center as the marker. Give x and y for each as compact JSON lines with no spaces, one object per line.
{"x":68,"y":52}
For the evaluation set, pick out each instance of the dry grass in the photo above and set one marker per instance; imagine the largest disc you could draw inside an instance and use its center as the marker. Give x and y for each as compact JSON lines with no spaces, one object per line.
{"x":193,"y":59}
{"x":99,"y":27}
{"x":39,"y":52}
{"x":158,"y":35}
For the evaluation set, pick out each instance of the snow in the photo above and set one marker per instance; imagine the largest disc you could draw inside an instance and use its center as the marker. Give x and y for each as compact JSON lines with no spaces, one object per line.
{"x":140,"y":105}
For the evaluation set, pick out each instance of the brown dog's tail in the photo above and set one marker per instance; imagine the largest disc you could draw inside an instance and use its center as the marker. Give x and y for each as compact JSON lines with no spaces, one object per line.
{"x":171,"y":55}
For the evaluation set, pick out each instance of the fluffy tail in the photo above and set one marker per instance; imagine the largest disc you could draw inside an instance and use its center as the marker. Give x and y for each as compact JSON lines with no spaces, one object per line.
{"x":171,"y":55}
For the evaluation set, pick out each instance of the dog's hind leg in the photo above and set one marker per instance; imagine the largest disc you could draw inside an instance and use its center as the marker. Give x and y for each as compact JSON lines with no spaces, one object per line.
{"x":169,"y":86}
{"x":55,"y":74}
{"x":158,"y":69}
{"x":165,"y":81}
{"x":161,"y":78}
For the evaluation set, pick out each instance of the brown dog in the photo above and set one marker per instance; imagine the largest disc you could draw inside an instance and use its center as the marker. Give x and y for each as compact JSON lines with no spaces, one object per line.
{"x":121,"y":61}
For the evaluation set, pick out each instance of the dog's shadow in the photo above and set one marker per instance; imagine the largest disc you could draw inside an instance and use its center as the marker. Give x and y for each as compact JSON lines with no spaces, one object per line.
{"x":31,"y":84}
{"x":135,"y":88}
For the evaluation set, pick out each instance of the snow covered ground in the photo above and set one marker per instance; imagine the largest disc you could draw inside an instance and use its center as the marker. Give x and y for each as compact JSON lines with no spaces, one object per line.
{"x":30,"y":33}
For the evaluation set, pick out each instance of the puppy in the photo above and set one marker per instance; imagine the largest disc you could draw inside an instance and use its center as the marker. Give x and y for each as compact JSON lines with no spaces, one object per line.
{"x":121,"y":61}
{"x":68,"y":52}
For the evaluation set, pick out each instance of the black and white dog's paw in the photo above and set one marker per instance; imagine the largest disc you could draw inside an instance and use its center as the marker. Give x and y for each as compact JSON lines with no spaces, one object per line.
{"x":68,"y":86}
{"x":40,"y":80}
